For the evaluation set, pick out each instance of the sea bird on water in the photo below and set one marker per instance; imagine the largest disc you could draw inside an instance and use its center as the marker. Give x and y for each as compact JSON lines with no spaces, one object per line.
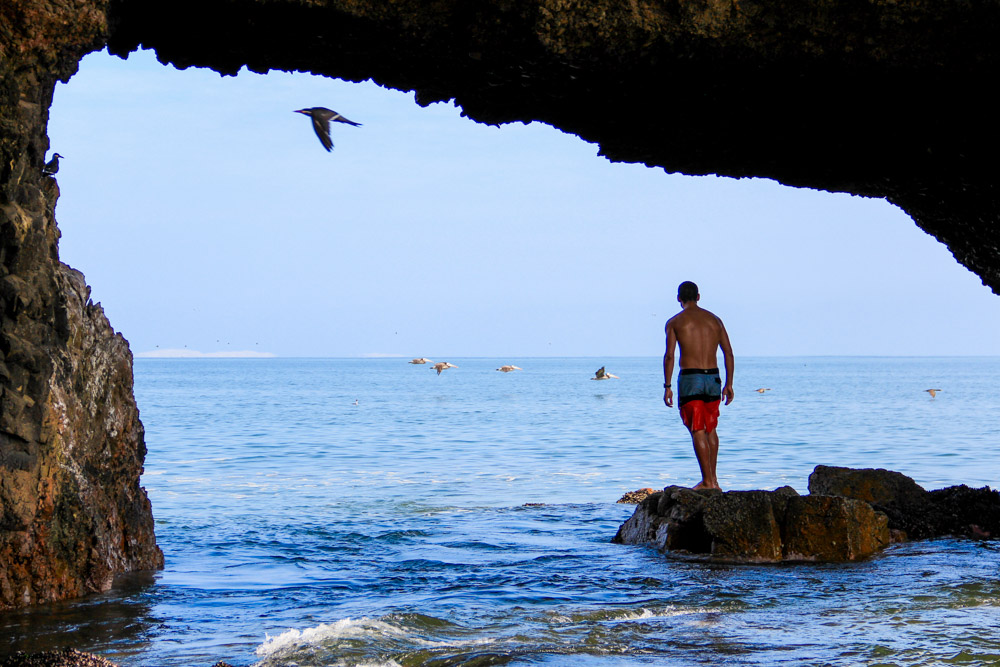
{"x":508,"y":368}
{"x":762,"y":390}
{"x":52,"y":166}
{"x":932,"y":392}
{"x":442,"y":365}
{"x":601,"y":374}
{"x":421,"y":360}
{"x":321,"y":117}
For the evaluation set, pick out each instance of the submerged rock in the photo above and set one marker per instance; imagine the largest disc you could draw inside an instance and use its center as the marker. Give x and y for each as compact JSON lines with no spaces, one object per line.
{"x":756,"y":526}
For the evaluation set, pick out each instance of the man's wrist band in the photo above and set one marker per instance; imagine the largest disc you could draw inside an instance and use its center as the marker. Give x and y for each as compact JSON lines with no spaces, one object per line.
{"x":666,"y":386}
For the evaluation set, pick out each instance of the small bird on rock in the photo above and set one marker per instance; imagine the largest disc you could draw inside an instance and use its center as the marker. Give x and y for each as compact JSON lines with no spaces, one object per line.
{"x":321,"y":117}
{"x":442,"y":365}
{"x":601,"y":374}
{"x":52,"y":166}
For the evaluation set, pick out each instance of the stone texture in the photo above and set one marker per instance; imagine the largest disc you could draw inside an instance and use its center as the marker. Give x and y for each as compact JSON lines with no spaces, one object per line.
{"x":911,"y":510}
{"x":635,"y":497}
{"x":828,"y":528}
{"x":71,"y":443}
{"x":66,"y":658}
{"x":756,"y":526}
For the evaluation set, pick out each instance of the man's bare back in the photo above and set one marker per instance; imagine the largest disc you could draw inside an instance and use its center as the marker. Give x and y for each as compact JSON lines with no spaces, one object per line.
{"x":699,"y":334}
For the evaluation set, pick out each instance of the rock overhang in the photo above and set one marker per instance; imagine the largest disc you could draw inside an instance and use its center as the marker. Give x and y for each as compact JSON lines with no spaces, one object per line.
{"x":888,"y":99}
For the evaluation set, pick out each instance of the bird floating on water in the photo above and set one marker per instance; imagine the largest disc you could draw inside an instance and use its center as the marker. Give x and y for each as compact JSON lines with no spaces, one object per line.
{"x":52,"y":166}
{"x":421,"y":360}
{"x":508,"y":368}
{"x":932,"y":392}
{"x":601,"y":374}
{"x":442,"y":365}
{"x":321,"y":117}
{"x":761,"y":390}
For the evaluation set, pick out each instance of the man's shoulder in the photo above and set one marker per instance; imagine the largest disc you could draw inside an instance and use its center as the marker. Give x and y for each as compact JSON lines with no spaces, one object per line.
{"x":712,"y":315}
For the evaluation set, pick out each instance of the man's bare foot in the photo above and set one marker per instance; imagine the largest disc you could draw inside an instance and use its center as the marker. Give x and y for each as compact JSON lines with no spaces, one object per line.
{"x":702,"y":485}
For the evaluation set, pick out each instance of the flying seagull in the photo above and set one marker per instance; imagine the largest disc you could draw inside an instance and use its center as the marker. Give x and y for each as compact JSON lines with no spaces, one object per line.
{"x":421,"y":360}
{"x":442,"y":365}
{"x":52,"y":166}
{"x":762,"y":390}
{"x":321,"y":117}
{"x":932,"y":392}
{"x":508,"y":368}
{"x":601,"y":374}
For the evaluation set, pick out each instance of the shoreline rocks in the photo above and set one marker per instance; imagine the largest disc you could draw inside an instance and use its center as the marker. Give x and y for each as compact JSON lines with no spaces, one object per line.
{"x":756,"y":526}
{"x":958,"y":510}
{"x":850,"y":514}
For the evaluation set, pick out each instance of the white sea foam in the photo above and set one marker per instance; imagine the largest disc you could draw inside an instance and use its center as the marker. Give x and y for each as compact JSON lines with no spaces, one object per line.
{"x":350,"y":628}
{"x":344,"y":628}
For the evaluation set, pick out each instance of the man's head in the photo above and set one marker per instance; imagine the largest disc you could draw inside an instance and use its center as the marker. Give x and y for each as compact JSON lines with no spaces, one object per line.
{"x":687,"y":291}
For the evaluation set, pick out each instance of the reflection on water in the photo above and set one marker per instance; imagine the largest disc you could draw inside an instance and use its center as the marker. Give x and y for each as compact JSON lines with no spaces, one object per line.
{"x":118,"y":622}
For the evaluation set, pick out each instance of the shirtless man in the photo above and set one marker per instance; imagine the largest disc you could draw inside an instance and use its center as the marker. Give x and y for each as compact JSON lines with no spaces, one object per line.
{"x":700,"y":334}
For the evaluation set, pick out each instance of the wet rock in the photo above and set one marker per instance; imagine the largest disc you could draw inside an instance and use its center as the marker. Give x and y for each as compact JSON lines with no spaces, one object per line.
{"x":72,"y":513}
{"x":914,"y":513}
{"x":903,"y":501}
{"x":832,"y":529}
{"x":756,"y":526}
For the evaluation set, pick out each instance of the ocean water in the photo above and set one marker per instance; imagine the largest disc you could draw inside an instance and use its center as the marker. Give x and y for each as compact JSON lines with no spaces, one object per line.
{"x":466,"y":518}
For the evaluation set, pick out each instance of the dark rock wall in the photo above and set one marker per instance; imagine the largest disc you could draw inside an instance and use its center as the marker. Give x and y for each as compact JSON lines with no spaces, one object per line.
{"x":71,"y":443}
{"x":883,"y":99}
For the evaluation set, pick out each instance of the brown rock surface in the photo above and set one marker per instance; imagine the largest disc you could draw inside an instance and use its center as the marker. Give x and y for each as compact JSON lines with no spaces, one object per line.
{"x":756,"y":526}
{"x":919,"y":514}
{"x":71,"y":443}
{"x":827,"y":528}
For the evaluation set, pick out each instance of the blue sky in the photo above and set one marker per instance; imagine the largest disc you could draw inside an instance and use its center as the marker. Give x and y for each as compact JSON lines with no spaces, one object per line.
{"x":206,"y":216}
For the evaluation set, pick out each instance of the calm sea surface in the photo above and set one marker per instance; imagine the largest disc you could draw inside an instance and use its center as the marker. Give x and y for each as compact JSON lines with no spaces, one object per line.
{"x":465,"y":519}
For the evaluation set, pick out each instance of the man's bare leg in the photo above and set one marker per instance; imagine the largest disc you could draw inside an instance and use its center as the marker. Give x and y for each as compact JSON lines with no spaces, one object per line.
{"x":703,"y":452}
{"x":713,"y":443}
{"x":706,"y":449}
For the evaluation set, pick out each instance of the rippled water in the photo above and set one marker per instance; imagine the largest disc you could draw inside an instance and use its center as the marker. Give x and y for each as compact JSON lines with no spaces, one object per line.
{"x":465,"y":519}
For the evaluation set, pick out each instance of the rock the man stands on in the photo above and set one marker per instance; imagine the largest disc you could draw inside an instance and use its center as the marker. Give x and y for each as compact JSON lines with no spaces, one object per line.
{"x":699,"y":388}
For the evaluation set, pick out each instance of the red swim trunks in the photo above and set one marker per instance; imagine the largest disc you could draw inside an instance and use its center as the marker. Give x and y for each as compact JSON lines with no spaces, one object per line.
{"x":700,"y":415}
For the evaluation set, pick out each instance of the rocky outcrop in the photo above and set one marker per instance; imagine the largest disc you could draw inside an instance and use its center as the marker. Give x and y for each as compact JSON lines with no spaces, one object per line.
{"x":911,"y":510}
{"x":882,"y":100}
{"x":756,"y":526}
{"x":71,"y":443}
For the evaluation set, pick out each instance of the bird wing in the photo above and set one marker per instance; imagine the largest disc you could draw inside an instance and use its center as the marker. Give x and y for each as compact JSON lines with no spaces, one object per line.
{"x":599,"y":372}
{"x":340,"y":119}
{"x":322,"y":128}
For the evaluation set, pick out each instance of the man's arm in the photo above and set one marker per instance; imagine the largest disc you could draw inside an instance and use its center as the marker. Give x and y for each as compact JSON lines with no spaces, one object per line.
{"x":727,"y":355}
{"x":668,"y":364}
